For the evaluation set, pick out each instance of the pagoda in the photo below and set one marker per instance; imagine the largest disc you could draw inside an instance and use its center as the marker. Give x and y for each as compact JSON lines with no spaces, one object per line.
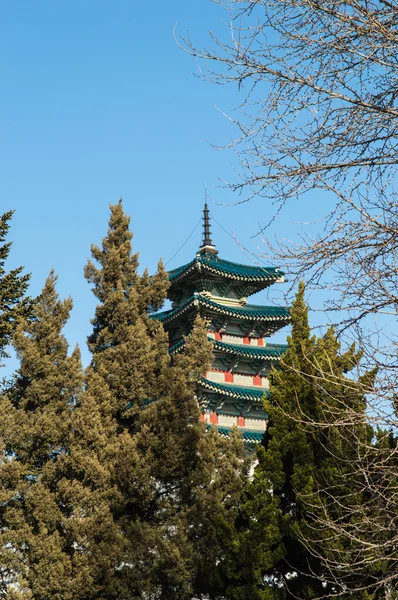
{"x":231,"y":393}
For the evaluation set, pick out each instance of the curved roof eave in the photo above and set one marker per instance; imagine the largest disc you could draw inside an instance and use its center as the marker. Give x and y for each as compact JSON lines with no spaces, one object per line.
{"x":268,"y":352}
{"x":234,"y":391}
{"x":250,"y":312}
{"x":248,"y":436}
{"x":225,"y":268}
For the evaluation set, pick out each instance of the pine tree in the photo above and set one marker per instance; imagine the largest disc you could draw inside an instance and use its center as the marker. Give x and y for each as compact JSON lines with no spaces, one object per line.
{"x":127,"y":347}
{"x":169,"y":472}
{"x":13,"y":286}
{"x":304,"y":471}
{"x":57,"y":537}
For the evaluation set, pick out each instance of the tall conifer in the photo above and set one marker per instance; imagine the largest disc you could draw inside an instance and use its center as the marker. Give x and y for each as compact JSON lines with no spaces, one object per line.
{"x":57,"y":537}
{"x":304,"y":466}
{"x":13,"y":286}
{"x":172,"y":477}
{"x":127,"y":348}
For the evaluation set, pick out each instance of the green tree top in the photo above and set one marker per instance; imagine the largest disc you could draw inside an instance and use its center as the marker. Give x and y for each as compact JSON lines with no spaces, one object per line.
{"x":47,"y":382}
{"x":13,"y":286}
{"x":123,"y":294}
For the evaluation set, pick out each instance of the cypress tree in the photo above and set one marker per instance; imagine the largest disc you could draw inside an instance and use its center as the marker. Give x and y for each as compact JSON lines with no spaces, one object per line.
{"x":305,"y":470}
{"x":57,"y":537}
{"x":169,"y":472}
{"x":13,"y":286}
{"x":127,"y":347}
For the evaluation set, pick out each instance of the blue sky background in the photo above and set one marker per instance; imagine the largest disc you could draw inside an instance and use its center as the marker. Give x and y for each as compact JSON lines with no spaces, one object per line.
{"x":97,"y":102}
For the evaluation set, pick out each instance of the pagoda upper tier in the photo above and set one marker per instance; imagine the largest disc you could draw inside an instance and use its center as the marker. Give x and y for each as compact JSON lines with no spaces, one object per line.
{"x":242,"y":320}
{"x":216,"y":278}
{"x":221,"y":278}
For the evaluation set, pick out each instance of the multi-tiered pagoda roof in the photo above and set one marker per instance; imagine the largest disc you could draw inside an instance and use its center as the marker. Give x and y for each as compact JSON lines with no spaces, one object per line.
{"x":232,"y":392}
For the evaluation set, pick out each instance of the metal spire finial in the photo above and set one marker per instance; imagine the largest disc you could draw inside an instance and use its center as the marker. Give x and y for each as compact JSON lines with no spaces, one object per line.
{"x":206,"y":227}
{"x":207,"y":244}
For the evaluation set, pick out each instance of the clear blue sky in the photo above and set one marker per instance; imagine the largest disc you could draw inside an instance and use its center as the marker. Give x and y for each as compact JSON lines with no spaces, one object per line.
{"x":97,"y":102}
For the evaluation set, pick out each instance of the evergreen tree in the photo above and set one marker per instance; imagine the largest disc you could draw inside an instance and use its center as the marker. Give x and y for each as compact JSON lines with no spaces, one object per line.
{"x":199,"y":477}
{"x":169,"y":472}
{"x":13,"y":286}
{"x":57,"y":537}
{"x":305,"y":471}
{"x":127,"y":347}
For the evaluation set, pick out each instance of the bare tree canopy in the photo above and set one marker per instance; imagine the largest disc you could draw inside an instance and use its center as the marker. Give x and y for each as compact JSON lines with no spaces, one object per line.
{"x":319,"y":112}
{"x":321,"y":89}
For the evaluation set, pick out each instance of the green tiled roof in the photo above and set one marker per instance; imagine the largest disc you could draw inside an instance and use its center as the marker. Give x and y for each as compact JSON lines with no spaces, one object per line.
{"x":250,"y":312}
{"x":177,"y":347}
{"x":270,"y":351}
{"x":213,"y":264}
{"x":238,"y":392}
{"x":253,"y":437}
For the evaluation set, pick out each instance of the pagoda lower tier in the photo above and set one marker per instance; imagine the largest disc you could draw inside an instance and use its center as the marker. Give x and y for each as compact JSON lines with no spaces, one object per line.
{"x":232,"y":392}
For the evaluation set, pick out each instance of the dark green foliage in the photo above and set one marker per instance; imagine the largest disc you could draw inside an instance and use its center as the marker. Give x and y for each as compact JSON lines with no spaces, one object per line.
{"x":13,"y":286}
{"x":128,"y":347}
{"x":177,"y":486}
{"x":306,"y":477}
{"x":57,"y":537}
{"x":201,"y":476}
{"x":111,"y":488}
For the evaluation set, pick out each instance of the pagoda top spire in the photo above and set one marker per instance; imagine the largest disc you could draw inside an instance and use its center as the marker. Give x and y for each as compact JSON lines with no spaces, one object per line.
{"x":207,"y":246}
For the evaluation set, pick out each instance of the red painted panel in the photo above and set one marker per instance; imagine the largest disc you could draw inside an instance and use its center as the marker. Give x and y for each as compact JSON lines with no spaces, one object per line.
{"x":214,"y":417}
{"x":241,"y":421}
{"x":246,"y":340}
{"x":218,"y":336}
{"x":260,"y":342}
{"x":228,"y":377}
{"x":256,"y":380}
